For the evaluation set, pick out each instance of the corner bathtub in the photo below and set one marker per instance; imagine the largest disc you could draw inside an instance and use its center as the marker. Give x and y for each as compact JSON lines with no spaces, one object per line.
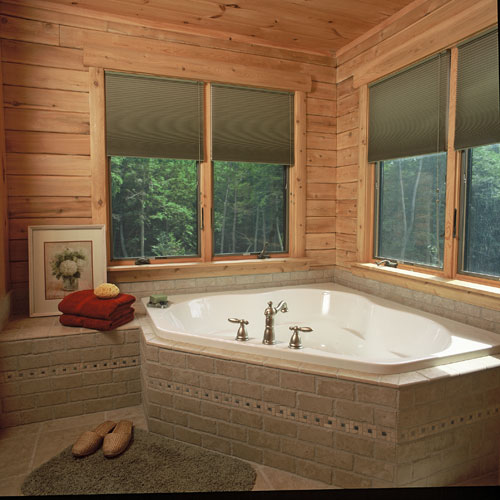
{"x":351,"y":330}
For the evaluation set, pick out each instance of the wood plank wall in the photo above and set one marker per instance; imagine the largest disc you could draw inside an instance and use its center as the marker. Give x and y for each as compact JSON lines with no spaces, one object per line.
{"x":424,"y":28}
{"x":47,"y":115}
{"x":4,"y":267}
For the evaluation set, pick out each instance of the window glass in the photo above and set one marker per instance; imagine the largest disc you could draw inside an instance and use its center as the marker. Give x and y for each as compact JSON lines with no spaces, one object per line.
{"x":154,"y":207}
{"x":249,"y":207}
{"x":481,"y":242}
{"x":411,"y":209}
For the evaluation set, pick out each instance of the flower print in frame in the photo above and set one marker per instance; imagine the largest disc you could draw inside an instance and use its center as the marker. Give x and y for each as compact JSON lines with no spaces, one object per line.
{"x":62,"y":260}
{"x":68,"y":267}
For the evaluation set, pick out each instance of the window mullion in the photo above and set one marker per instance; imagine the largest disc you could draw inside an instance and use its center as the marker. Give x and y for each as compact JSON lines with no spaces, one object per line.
{"x":206,"y":183}
{"x":452,"y":178}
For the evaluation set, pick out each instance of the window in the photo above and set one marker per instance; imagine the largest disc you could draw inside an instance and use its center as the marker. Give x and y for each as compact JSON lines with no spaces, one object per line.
{"x":154,"y":204}
{"x":437,"y":193}
{"x":408,"y":143}
{"x":252,"y":148}
{"x":411,"y":202}
{"x":250,"y":208}
{"x":481,"y":211}
{"x":156,"y":144}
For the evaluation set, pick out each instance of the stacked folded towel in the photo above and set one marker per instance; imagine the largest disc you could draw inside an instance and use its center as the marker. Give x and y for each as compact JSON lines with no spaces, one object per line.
{"x":85,"y":309}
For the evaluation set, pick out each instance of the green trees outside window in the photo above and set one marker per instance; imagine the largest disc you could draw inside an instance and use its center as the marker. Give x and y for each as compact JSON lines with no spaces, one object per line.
{"x":154,"y":207}
{"x":249,"y":207}
{"x":411,"y":209}
{"x":481,"y":211}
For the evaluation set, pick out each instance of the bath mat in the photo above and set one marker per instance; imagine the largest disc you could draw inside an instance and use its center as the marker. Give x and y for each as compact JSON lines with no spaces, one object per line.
{"x":151,"y":464}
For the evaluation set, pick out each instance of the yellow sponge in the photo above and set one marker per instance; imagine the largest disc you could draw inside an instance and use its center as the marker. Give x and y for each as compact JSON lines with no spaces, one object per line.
{"x":106,"y":291}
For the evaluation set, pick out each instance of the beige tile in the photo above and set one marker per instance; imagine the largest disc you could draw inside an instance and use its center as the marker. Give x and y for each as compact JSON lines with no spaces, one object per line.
{"x":20,"y":430}
{"x":281,"y":480}
{"x":131,"y":413}
{"x":89,"y":421}
{"x":11,"y":486}
{"x":21,"y":447}
{"x":261,"y":482}
{"x":52,"y":443}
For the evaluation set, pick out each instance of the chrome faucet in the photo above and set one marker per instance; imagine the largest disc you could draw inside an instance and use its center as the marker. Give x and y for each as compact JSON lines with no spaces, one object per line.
{"x":270,"y":312}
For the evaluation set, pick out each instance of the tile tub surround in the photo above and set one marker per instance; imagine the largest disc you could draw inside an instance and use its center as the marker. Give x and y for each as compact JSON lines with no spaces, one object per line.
{"x":434,"y":427}
{"x":481,"y":317}
{"x":142,"y":289}
{"x":48,"y":371}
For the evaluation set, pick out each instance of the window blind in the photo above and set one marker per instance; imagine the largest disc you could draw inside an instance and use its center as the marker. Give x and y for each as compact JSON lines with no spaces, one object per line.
{"x":408,"y":111}
{"x":252,"y":125}
{"x":148,"y":116}
{"x":478,"y":112}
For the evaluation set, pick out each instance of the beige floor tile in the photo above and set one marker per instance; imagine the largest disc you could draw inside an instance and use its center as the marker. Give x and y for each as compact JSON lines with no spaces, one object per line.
{"x":20,"y":447}
{"x":261,"y":483}
{"x":11,"y":486}
{"x":20,"y":430}
{"x":492,"y":479}
{"x":130,"y":413}
{"x":281,"y":480}
{"x":90,"y":420}
{"x":52,"y":443}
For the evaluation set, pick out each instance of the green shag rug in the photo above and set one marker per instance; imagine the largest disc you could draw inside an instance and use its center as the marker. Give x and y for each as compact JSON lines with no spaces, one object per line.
{"x":151,"y":464}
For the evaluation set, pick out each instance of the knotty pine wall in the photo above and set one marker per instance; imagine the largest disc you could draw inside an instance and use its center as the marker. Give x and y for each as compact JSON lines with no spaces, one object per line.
{"x":423,"y":28}
{"x":47,"y":117}
{"x":4,"y":268}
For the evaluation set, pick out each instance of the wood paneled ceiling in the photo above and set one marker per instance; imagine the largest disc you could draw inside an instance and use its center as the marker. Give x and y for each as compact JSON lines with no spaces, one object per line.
{"x":312,"y":26}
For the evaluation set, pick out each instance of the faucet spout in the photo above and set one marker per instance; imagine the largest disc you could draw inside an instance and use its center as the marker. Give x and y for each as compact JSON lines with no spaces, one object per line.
{"x":282,"y":306}
{"x":270,"y":312}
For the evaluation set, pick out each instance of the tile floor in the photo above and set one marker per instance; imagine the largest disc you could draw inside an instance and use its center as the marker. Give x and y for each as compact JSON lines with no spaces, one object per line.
{"x":34,"y":444}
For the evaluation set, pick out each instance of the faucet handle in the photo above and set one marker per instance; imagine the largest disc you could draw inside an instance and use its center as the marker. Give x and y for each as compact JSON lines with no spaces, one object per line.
{"x":295,"y":342}
{"x":242,"y":334}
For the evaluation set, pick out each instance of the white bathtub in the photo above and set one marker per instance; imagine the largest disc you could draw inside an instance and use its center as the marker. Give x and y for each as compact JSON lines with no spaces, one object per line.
{"x":351,"y":330}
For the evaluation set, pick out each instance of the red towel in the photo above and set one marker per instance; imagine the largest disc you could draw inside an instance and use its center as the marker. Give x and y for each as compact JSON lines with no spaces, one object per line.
{"x":86,"y":303}
{"x":94,"y":323}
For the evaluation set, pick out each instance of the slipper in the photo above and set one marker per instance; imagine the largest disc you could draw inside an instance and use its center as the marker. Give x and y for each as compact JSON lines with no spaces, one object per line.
{"x":90,"y":441}
{"x":117,"y":441}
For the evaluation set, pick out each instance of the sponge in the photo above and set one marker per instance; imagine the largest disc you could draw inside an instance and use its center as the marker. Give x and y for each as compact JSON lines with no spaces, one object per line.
{"x":106,"y":291}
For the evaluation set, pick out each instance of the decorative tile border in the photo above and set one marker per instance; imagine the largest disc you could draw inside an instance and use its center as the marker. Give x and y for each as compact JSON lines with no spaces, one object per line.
{"x":68,"y":369}
{"x":276,"y":410}
{"x":448,"y":423}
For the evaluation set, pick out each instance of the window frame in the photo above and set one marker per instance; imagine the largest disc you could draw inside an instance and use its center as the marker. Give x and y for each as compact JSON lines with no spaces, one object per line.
{"x":444,"y":281}
{"x":125,"y":270}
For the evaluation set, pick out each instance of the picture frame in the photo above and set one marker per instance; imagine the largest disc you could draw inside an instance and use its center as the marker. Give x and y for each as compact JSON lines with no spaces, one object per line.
{"x":62,"y":260}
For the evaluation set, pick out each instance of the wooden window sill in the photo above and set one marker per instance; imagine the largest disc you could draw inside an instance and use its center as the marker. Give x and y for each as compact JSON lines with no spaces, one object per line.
{"x":186,"y":270}
{"x":455,"y":289}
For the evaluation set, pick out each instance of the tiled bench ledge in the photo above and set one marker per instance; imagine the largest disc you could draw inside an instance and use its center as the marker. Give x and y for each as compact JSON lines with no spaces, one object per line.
{"x":50,"y":371}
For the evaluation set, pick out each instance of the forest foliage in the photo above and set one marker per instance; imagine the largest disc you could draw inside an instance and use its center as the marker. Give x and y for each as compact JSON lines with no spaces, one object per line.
{"x":154,"y":207}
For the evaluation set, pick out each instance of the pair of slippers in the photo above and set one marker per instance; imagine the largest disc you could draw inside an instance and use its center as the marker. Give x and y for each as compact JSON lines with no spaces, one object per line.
{"x":113,"y":443}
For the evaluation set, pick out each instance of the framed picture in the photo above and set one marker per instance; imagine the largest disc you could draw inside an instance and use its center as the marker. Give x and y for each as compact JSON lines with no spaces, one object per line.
{"x":62,"y":260}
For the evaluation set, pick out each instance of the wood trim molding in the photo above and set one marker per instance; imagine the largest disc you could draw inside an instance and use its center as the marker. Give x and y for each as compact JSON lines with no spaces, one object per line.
{"x":452,"y":177}
{"x":365,"y":183}
{"x":111,"y":51}
{"x":187,"y":270}
{"x":298,"y":173}
{"x":206,"y":183}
